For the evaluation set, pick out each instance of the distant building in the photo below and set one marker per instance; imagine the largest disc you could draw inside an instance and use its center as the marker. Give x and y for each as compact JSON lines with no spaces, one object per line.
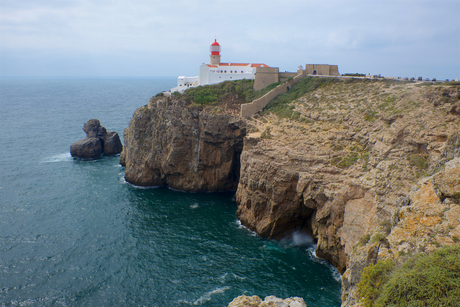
{"x":217,"y":72}
{"x":322,"y":69}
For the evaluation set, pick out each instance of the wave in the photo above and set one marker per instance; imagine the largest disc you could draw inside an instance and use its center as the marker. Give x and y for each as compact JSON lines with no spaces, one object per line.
{"x":252,"y":233}
{"x":207,"y":296}
{"x":335,"y":273}
{"x":63,"y":157}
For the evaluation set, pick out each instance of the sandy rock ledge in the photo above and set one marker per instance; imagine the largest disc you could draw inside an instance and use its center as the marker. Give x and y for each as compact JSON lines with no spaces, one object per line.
{"x":269,"y":301}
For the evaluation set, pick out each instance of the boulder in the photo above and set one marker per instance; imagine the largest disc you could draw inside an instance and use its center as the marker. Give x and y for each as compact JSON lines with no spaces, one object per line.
{"x":98,"y":141}
{"x":87,"y":148}
{"x":112,"y":143}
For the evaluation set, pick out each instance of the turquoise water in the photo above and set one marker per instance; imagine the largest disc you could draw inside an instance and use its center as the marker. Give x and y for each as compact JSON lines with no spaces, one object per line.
{"x":74,"y":233}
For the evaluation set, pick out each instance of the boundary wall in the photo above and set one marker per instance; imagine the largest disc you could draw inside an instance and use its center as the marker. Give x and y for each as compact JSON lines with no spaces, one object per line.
{"x":249,"y":109}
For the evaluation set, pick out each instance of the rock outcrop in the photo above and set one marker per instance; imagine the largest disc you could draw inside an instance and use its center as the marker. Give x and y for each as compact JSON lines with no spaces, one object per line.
{"x":342,"y":166}
{"x":269,"y":301}
{"x":187,"y":147}
{"x":98,"y":141}
{"x":361,"y":165}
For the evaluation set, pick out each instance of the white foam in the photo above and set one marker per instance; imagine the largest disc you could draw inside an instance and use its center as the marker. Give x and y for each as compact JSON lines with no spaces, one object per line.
{"x":58,"y":158}
{"x":194,"y":206}
{"x":252,"y":233}
{"x":302,"y":238}
{"x":207,"y":296}
{"x":335,"y":273}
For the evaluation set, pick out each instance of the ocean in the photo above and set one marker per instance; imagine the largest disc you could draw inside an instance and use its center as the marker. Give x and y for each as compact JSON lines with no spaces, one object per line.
{"x":74,"y":233}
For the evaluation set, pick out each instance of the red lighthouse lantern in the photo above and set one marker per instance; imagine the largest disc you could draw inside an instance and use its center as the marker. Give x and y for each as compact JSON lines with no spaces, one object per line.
{"x":215,"y":48}
{"x":215,"y":53}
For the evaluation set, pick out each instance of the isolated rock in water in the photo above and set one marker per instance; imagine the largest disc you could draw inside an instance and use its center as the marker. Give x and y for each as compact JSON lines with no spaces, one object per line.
{"x":94,"y":129}
{"x":87,"y":148}
{"x":112,"y":143}
{"x":97,"y":141}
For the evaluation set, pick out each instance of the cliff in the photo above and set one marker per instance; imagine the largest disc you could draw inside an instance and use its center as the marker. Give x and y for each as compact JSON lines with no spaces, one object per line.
{"x":361,"y":165}
{"x":182,"y":145}
{"x":341,"y":161}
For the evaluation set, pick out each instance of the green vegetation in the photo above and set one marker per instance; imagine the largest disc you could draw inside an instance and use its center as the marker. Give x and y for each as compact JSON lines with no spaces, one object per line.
{"x":266,"y":134}
{"x":347,"y":161}
{"x":364,"y":239}
{"x":281,"y":105}
{"x":373,"y":278}
{"x":370,"y":117}
{"x":418,"y":161}
{"x":457,"y":196}
{"x":354,"y":75}
{"x":378,"y":237}
{"x":424,"y":280}
{"x":240,"y":90}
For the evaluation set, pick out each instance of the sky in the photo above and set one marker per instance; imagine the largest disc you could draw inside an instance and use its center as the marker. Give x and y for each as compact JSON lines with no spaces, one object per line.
{"x":142,"y":38}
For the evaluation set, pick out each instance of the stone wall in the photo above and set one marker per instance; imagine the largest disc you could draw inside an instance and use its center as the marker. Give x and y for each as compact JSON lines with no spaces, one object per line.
{"x":249,"y":109}
{"x":322,"y":69}
{"x":284,"y":76}
{"x":265,"y":76}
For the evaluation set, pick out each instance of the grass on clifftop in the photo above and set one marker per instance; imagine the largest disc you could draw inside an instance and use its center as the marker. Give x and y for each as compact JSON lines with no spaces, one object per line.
{"x":281,"y":105}
{"x":240,"y":90}
{"x":424,"y":280}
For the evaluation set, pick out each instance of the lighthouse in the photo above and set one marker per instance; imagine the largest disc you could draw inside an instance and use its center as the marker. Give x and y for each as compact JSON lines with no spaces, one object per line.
{"x":215,"y":53}
{"x":216,"y":72}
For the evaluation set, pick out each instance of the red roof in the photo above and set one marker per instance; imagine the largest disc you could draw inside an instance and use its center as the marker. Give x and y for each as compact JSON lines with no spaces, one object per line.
{"x":240,"y":64}
{"x":215,"y":43}
{"x":259,"y":65}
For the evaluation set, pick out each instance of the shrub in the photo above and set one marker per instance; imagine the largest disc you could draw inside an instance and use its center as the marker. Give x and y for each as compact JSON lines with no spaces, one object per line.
{"x":373,"y":278}
{"x":418,"y":161}
{"x":364,"y":239}
{"x":347,"y":161}
{"x":378,"y":237}
{"x":424,"y":280}
{"x":266,"y":134}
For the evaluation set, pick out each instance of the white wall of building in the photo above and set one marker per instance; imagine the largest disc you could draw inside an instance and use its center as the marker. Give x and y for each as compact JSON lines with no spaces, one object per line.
{"x":211,"y":74}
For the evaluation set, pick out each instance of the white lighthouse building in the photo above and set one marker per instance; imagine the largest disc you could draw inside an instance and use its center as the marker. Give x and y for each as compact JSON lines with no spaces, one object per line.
{"x":217,"y":72}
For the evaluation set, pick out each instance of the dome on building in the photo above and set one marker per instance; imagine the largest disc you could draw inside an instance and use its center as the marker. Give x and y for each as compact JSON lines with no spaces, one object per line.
{"x":215,"y":48}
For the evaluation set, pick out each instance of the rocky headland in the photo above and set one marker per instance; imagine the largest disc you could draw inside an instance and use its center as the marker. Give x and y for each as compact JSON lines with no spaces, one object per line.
{"x":97,"y":141}
{"x":184,"y":146}
{"x":369,"y":168}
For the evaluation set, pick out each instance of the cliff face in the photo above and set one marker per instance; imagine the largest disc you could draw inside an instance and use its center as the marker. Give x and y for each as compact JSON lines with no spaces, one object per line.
{"x":342,"y":166}
{"x":360,"y":165}
{"x":170,"y":142}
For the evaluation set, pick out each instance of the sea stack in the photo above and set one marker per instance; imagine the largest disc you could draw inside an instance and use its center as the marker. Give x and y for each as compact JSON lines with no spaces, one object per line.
{"x":98,"y":141}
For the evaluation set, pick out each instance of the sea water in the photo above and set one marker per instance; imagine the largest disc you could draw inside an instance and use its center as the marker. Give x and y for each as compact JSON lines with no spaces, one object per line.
{"x":74,"y":233}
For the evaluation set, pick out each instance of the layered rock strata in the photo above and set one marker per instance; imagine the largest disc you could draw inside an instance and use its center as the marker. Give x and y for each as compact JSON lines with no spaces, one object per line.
{"x":183,"y":146}
{"x":98,"y":141}
{"x":344,"y":164}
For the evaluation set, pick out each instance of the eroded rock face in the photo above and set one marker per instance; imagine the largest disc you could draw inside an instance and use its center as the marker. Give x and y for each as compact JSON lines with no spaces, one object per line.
{"x":343,"y":169}
{"x":98,"y":141}
{"x":169,"y":142}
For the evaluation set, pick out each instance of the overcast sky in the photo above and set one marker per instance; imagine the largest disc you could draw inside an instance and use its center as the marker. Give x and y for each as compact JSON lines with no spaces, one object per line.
{"x":171,"y":38}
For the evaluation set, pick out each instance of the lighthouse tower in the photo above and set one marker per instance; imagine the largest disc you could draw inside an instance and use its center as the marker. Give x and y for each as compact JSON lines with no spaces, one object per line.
{"x":215,"y":53}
